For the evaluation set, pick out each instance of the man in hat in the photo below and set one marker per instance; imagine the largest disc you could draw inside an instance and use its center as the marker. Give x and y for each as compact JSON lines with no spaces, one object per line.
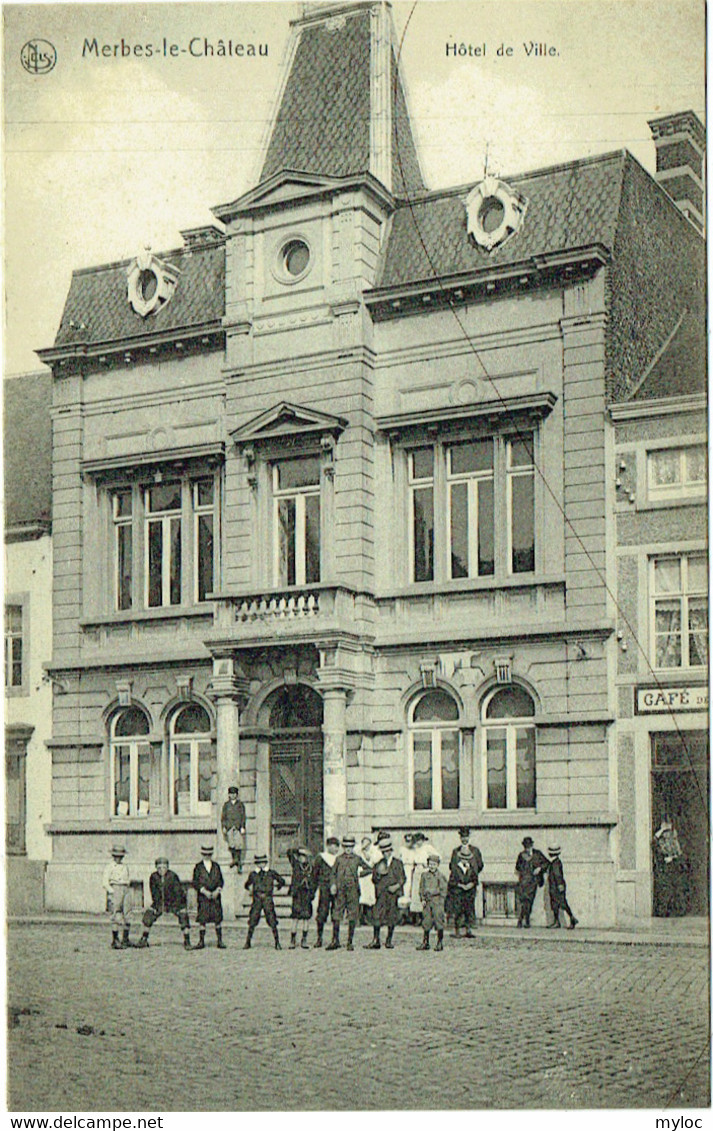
{"x":389,"y":882}
{"x":322,"y":879}
{"x":462,"y":886}
{"x":558,"y":889}
{"x":433,"y":887}
{"x":302,"y":894}
{"x":116,"y":886}
{"x":261,"y":883}
{"x":345,"y":889}
{"x":464,"y":851}
{"x":232,"y":823}
{"x":167,"y":895}
{"x":208,"y":882}
{"x":530,"y":866}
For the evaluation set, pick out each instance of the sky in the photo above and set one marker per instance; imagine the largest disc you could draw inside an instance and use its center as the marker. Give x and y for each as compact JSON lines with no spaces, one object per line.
{"x":105,"y":155}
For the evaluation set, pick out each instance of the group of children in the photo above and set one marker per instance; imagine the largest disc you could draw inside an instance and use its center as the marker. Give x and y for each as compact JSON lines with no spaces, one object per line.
{"x":339,"y":880}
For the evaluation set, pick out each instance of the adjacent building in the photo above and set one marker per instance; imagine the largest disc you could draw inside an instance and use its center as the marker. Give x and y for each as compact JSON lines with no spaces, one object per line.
{"x":337,"y":492}
{"x":28,"y":636}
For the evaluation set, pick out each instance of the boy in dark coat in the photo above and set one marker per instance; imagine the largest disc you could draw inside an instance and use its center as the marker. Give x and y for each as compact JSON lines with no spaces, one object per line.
{"x":262,"y":882}
{"x":167,"y":895}
{"x":433,"y":887}
{"x":322,"y":879}
{"x":389,"y":882}
{"x":345,"y":889}
{"x":558,"y":889}
{"x":474,"y":855}
{"x":208,"y":882}
{"x":461,"y":891}
{"x":302,"y":893}
{"x":232,"y":823}
{"x":530,"y":866}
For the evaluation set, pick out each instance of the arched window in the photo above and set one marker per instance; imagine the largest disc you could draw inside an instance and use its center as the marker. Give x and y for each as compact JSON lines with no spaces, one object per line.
{"x":131,"y":763}
{"x":434,"y":750}
{"x":193,"y":763}
{"x":509,"y":749}
{"x":295,"y":708}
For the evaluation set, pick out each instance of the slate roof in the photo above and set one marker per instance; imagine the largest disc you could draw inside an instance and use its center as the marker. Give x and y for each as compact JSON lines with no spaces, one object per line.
{"x":568,"y":206}
{"x":98,"y":299}
{"x":323,"y":121}
{"x":28,"y":450}
{"x":681,"y":368}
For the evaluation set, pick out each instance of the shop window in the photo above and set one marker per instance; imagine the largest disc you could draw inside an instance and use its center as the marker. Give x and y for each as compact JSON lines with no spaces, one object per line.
{"x":193,"y":762}
{"x":509,"y":749}
{"x":680,"y":611}
{"x":296,"y":496}
{"x":131,"y":764}
{"x":434,"y":747}
{"x":677,"y":471}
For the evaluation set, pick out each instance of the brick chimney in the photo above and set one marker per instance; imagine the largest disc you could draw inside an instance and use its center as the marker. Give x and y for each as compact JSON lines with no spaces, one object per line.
{"x":680,"y":141}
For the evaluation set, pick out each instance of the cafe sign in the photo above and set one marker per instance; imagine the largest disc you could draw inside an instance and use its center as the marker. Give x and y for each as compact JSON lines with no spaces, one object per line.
{"x":665,"y":700}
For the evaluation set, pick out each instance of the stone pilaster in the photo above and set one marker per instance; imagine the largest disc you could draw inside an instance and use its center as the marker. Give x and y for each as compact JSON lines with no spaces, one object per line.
{"x":228,"y":691}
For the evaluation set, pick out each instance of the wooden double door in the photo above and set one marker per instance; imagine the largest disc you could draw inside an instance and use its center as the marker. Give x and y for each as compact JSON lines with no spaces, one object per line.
{"x":296,"y":792}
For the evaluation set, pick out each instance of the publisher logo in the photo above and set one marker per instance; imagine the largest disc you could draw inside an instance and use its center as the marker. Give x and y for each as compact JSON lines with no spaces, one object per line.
{"x":38,"y":56}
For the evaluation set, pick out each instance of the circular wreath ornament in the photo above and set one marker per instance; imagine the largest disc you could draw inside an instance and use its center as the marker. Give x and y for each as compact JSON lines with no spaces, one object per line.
{"x":494,"y":212}
{"x":150,"y":283}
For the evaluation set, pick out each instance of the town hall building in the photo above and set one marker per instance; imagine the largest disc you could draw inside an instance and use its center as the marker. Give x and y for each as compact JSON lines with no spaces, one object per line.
{"x":336,"y":494}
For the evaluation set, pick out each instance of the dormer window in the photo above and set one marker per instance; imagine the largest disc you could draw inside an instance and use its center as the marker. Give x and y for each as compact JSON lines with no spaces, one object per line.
{"x":150,"y":284}
{"x":494,"y":212}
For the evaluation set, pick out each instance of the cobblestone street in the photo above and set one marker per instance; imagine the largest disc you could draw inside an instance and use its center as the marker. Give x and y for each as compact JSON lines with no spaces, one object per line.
{"x":495,"y":1023}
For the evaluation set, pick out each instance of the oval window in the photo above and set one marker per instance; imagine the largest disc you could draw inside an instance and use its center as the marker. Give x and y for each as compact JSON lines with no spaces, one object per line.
{"x":147,"y":285}
{"x":492,"y":214}
{"x":295,"y":258}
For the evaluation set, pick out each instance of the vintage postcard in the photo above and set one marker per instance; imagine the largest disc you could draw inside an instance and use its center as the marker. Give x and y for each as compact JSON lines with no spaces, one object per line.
{"x":356,"y":584}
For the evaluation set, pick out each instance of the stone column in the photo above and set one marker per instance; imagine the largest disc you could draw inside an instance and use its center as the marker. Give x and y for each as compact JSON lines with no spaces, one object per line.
{"x":334,"y":730}
{"x":228,"y":691}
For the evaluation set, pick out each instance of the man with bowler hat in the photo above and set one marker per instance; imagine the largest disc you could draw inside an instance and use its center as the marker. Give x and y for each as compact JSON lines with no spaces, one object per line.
{"x":208,"y":882}
{"x":530,"y":866}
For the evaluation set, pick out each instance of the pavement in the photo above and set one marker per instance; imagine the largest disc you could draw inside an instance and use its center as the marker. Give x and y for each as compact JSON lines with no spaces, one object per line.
{"x":510,"y":1020}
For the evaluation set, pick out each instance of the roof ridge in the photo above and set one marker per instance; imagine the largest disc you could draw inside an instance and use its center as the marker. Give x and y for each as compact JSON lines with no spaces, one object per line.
{"x":96,"y":268}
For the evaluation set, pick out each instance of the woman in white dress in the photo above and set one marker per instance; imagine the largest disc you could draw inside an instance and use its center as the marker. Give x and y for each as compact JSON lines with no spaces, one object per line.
{"x":371,"y":855}
{"x":421,"y":850}
{"x":408,"y":859}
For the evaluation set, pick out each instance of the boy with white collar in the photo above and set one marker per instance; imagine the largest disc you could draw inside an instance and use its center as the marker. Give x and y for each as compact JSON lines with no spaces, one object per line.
{"x":117,"y":887}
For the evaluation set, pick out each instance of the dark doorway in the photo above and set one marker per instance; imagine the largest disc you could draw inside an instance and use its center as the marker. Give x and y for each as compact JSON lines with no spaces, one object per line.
{"x":680,"y":786}
{"x":296,"y":769}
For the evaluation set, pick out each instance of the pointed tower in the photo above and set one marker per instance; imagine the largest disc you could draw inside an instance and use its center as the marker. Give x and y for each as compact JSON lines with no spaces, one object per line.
{"x":341,"y":110}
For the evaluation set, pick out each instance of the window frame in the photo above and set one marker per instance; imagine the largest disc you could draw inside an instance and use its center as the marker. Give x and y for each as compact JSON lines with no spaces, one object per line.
{"x":686,"y":487}
{"x":299,"y":495}
{"x":164,"y":519}
{"x":194,"y":740}
{"x":472,"y":480}
{"x":435,"y":729}
{"x":510,"y":725}
{"x":19,"y":601}
{"x":134,"y":743}
{"x":519,"y":471}
{"x":683,"y":597}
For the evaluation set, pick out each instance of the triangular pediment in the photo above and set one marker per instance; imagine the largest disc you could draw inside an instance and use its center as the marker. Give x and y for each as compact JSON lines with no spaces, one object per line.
{"x":284,"y":186}
{"x":288,"y":420}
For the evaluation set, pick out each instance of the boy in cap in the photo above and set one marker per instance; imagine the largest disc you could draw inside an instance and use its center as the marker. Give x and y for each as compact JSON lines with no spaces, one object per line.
{"x":232,"y":823}
{"x":261,"y":883}
{"x":167,"y":895}
{"x":345,"y":889}
{"x":558,"y":889}
{"x":208,"y":882}
{"x":471,"y":852}
{"x":433,"y":887}
{"x":461,"y":890}
{"x":389,"y":883}
{"x":322,"y":878}
{"x":302,"y":893}
{"x":116,"y":886}
{"x":530,"y":866}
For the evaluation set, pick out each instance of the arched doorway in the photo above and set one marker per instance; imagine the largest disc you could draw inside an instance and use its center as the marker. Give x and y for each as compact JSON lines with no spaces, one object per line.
{"x":296,"y":791}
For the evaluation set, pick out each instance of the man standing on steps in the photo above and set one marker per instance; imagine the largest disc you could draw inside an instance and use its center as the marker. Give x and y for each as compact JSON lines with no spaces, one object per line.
{"x":345,"y":889}
{"x":232,"y":823}
{"x":208,"y":882}
{"x":322,"y":879}
{"x":389,"y":883}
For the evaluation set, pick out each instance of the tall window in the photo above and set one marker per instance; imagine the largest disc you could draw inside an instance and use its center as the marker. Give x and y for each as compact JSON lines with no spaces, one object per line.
{"x":677,"y":471}
{"x":680,"y":611}
{"x":297,"y":521}
{"x":472,"y":519}
{"x":162,"y":505}
{"x":509,"y":749}
{"x":521,"y":503}
{"x":421,"y":512}
{"x":203,"y":510}
{"x":472,"y":508}
{"x":435,"y":752}
{"x":193,"y":762}
{"x":131,"y":764}
{"x":14,"y":659}
{"x":122,"y":504}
